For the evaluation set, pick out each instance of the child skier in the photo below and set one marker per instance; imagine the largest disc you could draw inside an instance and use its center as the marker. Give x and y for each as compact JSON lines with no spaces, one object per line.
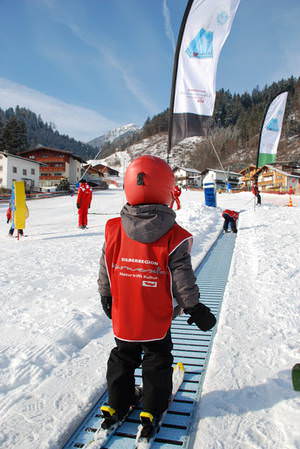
{"x":84,"y":198}
{"x":9,"y":219}
{"x":230,"y":216}
{"x":256,"y":193}
{"x":145,"y":263}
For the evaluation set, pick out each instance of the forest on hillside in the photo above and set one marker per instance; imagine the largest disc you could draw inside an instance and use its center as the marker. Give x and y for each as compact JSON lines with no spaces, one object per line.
{"x":235,"y":125}
{"x":236,"y":121}
{"x":22,"y":129}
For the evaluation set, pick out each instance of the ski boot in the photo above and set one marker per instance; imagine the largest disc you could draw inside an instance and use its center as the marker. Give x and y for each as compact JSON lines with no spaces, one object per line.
{"x":112,"y":417}
{"x":150,"y":425}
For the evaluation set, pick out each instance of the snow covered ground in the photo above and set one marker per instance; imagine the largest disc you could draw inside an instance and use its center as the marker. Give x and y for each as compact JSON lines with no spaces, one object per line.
{"x":55,"y":339}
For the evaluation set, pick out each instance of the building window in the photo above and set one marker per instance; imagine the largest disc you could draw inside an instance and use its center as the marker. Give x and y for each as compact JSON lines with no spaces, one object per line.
{"x":33,"y":171}
{"x":1,"y":168}
{"x":1,"y":180}
{"x":57,"y":174}
{"x":15,"y":170}
{"x":24,"y":171}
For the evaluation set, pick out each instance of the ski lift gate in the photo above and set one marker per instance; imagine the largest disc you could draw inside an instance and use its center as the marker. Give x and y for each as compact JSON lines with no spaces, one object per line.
{"x":192,"y":347}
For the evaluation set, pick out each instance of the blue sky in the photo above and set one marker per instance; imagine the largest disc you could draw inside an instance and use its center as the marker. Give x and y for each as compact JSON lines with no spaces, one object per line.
{"x":91,"y":65}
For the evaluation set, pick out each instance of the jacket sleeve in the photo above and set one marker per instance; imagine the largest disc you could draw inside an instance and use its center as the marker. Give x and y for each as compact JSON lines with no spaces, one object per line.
{"x":79,"y":195}
{"x":184,"y":287}
{"x":103,"y":279}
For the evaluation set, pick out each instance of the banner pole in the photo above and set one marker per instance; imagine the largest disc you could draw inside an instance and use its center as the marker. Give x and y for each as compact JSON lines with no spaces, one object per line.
{"x":174,"y":77}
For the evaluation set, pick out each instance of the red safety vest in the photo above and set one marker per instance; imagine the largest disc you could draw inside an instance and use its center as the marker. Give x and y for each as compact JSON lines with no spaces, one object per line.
{"x":140,"y":280}
{"x":232,"y":213}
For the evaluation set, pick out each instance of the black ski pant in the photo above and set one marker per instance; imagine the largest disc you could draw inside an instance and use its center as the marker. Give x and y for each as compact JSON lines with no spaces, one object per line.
{"x":228,"y":219}
{"x":258,"y":197}
{"x":156,"y":359}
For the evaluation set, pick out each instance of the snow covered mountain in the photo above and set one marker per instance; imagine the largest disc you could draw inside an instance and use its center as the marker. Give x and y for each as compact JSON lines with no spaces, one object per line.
{"x":156,"y":146}
{"x":199,"y":153}
{"x":116,"y":133}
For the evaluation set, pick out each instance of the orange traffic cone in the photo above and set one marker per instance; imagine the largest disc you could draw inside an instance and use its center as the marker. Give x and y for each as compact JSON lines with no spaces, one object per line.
{"x":290,"y":203}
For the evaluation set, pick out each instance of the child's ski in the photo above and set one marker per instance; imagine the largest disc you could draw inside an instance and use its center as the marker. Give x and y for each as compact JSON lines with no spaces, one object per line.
{"x":102,"y":436}
{"x":177,"y":378}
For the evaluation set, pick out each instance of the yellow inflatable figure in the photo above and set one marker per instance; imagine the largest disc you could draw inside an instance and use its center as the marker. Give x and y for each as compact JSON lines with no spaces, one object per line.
{"x":19,"y":208}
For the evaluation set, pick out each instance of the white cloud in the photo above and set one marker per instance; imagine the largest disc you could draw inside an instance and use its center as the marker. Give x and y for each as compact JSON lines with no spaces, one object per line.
{"x":168,"y":26}
{"x":131,"y":82}
{"x":78,"y":122}
{"x":105,"y":52}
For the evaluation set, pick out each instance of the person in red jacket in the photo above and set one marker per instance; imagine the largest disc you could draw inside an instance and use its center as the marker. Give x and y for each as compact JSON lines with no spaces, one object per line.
{"x":230,"y":216}
{"x":176,"y":195}
{"x":256,"y":193}
{"x":84,"y":199}
{"x":145,"y":264}
{"x":8,"y":215}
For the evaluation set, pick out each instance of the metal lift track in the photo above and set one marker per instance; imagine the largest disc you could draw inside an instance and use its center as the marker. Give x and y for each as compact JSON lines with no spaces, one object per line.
{"x":192,"y":347}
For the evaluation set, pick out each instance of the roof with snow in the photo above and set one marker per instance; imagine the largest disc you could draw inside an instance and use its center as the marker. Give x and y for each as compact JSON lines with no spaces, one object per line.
{"x":271,"y":167}
{"x":191,"y":170}
{"x":23,"y":158}
{"x":220,"y":171}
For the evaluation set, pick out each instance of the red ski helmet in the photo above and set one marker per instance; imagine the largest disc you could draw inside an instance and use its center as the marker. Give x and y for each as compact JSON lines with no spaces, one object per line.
{"x":149,"y":180}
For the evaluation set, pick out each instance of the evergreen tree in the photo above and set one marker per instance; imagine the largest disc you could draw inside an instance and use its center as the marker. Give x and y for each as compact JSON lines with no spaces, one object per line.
{"x":14,"y":136}
{"x":63,"y":185}
{"x":236,"y":121}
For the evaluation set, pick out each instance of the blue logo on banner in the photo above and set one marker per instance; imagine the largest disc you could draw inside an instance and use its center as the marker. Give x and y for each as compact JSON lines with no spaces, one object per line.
{"x":273,"y":125}
{"x":222,"y":18}
{"x":202,"y":45}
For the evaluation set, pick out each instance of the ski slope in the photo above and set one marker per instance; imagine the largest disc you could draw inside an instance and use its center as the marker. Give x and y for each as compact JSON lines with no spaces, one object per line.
{"x":55,"y":339}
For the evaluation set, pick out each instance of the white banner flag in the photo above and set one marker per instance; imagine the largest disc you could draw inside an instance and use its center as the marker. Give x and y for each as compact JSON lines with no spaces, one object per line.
{"x":207,"y":27}
{"x":204,"y":29}
{"x":271,"y":130}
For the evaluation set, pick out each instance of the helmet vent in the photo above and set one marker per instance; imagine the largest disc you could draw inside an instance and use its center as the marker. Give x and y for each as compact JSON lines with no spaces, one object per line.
{"x":140,"y":179}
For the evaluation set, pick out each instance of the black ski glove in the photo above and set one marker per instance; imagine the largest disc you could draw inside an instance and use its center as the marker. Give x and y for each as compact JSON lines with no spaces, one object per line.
{"x":201,"y":316}
{"x":78,"y":206}
{"x":106,"y":302}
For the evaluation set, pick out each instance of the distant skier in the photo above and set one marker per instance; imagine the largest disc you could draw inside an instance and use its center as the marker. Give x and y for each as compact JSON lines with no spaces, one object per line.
{"x":10,"y":219}
{"x":84,"y":199}
{"x":230,"y":216}
{"x":176,"y":195}
{"x":8,"y":215}
{"x":145,"y":263}
{"x":256,"y":193}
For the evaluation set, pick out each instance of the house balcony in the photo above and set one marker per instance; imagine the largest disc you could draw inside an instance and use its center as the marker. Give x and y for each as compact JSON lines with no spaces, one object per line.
{"x":45,"y":160}
{"x":51,"y":177}
{"x":52,"y":169}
